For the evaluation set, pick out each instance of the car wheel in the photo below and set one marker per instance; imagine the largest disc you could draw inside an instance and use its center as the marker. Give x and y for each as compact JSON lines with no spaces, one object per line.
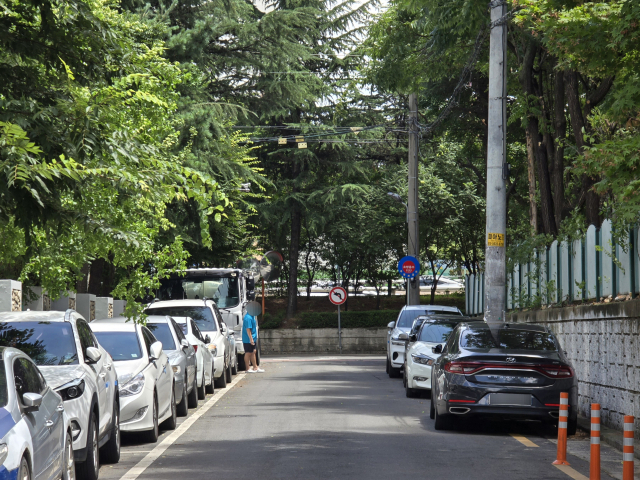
{"x":110,"y":452}
{"x":89,"y":469}
{"x":193,"y":396}
{"x":387,"y":370}
{"x":572,"y":426}
{"x":222,"y":381}
{"x":151,"y":436}
{"x":241,"y":365}
{"x":234,"y":367}
{"x":201,"y":389}
{"x":412,"y":392}
{"x":229,"y":374}
{"x":24,"y":473}
{"x":442,"y":422}
{"x":210,"y":388}
{"x":171,"y":422}
{"x":394,"y":372}
{"x":432,"y":410}
{"x":183,"y":409}
{"x":69,"y":464}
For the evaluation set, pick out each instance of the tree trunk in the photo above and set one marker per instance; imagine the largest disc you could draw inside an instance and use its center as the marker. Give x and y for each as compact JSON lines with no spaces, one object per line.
{"x":294,"y":249}
{"x":82,"y":285}
{"x":531,"y":173}
{"x":389,"y":286}
{"x":560,"y":124}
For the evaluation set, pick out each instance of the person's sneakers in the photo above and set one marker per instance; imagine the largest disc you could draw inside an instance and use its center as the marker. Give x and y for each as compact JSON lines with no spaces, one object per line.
{"x":253,"y":371}
{"x":259,"y":370}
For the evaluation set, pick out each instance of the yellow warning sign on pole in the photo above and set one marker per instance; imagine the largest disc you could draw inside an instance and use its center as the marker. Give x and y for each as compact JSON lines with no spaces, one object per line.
{"x":495,"y":239}
{"x":302,"y":145}
{"x":282,"y":141}
{"x":299,"y":138}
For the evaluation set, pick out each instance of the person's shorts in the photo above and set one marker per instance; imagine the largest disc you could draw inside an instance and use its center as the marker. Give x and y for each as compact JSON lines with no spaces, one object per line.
{"x":249,"y":348}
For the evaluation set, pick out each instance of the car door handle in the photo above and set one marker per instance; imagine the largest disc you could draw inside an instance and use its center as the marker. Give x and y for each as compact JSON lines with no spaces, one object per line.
{"x":108,"y":366}
{"x":60,"y":408}
{"x":103,"y":374}
{"x":48,"y":423}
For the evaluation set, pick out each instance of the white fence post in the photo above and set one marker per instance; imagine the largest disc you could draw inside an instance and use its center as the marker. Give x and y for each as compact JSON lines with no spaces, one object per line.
{"x":10,"y":296}
{"x":86,"y":306}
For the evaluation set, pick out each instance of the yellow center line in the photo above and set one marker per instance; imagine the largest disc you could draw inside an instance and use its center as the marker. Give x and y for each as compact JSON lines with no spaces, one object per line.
{"x":571,"y":472}
{"x":523,"y":440}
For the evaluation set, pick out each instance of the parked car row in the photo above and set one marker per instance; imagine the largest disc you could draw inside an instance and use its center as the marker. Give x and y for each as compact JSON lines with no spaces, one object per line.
{"x":470,"y":370}
{"x":68,"y":387}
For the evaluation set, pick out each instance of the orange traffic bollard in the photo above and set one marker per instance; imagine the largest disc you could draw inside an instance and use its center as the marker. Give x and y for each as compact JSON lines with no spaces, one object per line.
{"x":563,"y":419}
{"x":627,"y":448}
{"x":594,"y":464}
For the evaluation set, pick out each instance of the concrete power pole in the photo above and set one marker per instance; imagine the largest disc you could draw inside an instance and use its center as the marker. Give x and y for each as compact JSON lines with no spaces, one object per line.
{"x":413,"y":286}
{"x":497,"y":170}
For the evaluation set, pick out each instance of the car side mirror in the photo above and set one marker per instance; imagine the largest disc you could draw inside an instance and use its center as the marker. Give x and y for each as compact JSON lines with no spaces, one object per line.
{"x":184,"y":343}
{"x":403,"y":336}
{"x":251,"y":284}
{"x":93,"y":354}
{"x":437,"y":349}
{"x":224,"y":327}
{"x":155,"y":350}
{"x":391,"y":325}
{"x":207,"y":339}
{"x":251,"y":296}
{"x":31,"y":402}
{"x":413,"y":337}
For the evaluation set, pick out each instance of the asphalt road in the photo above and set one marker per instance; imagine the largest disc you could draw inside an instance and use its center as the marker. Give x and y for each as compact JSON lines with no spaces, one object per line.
{"x":335,"y":418}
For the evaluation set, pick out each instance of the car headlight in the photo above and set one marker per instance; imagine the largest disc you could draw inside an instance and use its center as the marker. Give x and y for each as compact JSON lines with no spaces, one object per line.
{"x":422,"y":359}
{"x":213,"y":348}
{"x":71,"y":390}
{"x":176,"y":369}
{"x":4,"y":451}
{"x":133,"y":386}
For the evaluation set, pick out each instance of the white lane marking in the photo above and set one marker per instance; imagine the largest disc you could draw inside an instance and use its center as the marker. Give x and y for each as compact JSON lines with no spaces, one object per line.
{"x":152,"y":456}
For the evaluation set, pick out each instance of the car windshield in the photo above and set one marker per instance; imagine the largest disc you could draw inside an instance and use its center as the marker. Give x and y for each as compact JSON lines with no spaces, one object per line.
{"x":47,"y":343}
{"x":409,"y":315}
{"x":436,"y":332}
{"x":121,"y":346}
{"x":223,"y":290}
{"x":4,"y":393}
{"x":163,"y":334}
{"x":202,"y":315}
{"x":508,"y":340}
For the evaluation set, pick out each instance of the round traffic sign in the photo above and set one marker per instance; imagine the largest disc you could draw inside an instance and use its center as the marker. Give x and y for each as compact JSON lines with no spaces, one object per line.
{"x":338,"y":295}
{"x":409,"y":267}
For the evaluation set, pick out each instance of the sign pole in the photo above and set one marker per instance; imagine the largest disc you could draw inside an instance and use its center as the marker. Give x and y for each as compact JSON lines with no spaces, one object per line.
{"x":339,"y":331}
{"x":263,"y":298}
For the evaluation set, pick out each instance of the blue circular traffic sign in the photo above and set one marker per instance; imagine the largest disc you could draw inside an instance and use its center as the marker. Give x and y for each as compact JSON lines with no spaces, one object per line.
{"x":409,"y":267}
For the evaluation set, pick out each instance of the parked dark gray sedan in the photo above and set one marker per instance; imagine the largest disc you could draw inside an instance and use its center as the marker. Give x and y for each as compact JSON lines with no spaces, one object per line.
{"x":521,"y":374}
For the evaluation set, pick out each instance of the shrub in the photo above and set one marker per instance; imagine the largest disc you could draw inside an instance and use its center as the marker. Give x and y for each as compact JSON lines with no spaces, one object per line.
{"x":271,"y":321}
{"x":371,"y":319}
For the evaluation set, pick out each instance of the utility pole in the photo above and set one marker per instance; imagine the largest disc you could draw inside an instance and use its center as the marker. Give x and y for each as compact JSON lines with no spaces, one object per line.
{"x":497,"y":170}
{"x":413,"y":286}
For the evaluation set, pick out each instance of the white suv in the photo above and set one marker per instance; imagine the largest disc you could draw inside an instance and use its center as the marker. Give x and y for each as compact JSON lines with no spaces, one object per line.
{"x":398,"y":333}
{"x":80,"y":371}
{"x":209,"y":320}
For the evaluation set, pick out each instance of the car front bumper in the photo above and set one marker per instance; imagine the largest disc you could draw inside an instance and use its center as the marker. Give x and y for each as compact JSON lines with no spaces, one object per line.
{"x":77,"y":411}
{"x":418,"y":375}
{"x":136,"y":411}
{"x":396,"y":353}
{"x":218,"y":365}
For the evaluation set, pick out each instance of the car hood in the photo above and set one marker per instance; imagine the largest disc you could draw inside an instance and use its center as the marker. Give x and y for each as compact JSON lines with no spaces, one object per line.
{"x":424,"y":348}
{"x":58,"y":375}
{"x":127,"y":369}
{"x":175,"y":356}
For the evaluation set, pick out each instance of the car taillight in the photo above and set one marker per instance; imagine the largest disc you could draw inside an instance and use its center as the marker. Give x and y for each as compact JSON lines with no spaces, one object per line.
{"x":195,"y":348}
{"x":469,"y":368}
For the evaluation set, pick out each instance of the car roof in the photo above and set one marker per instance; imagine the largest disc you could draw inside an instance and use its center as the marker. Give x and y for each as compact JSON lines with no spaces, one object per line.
{"x":121,"y":319}
{"x":196,"y":302}
{"x":431,"y":307}
{"x":448,"y":319}
{"x":522,"y":327}
{"x":182,"y":319}
{"x":113,"y":327}
{"x":32,"y":316}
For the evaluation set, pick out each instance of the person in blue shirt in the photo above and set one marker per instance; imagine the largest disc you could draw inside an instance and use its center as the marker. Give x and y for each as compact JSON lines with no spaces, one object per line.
{"x":250,"y":340}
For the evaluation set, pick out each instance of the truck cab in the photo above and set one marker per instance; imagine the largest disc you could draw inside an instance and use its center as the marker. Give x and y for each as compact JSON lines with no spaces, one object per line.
{"x":230,"y":288}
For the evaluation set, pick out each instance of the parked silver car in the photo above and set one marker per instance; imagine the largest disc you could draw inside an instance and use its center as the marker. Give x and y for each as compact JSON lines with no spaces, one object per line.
{"x":35,"y":433}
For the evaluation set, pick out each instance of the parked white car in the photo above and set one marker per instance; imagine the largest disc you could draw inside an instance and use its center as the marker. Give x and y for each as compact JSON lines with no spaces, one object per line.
{"x":80,"y":371}
{"x":145,"y":377}
{"x":35,"y":433}
{"x":204,"y":357}
{"x":207,"y":317}
{"x":398,"y":332}
{"x":420,"y":357}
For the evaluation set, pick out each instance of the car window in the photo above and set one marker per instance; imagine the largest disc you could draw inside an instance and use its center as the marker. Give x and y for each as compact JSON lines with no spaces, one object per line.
{"x":162,"y":332}
{"x":121,"y":346}
{"x":203,"y":315}
{"x":436,"y":332}
{"x":508,"y":339}
{"x":148,"y":339}
{"x":47,"y":343}
{"x":178,"y":330}
{"x":4,"y":391}
{"x":218,"y":315}
{"x":196,"y":331}
{"x":27,"y":378}
{"x":85,"y":335}
{"x":409,"y":315}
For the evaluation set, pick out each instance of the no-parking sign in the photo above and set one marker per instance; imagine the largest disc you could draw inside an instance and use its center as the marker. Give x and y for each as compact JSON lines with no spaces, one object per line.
{"x":409,"y":267}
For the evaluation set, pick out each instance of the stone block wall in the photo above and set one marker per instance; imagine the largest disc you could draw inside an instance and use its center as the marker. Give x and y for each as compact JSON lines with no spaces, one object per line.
{"x":323,"y":340}
{"x":603,"y":343}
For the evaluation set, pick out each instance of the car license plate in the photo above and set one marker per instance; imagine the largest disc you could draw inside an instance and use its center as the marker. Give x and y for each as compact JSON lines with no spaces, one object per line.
{"x":510,"y":399}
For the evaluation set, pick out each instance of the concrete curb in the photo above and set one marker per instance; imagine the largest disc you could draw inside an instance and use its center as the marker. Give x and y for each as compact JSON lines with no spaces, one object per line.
{"x":611,"y":437}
